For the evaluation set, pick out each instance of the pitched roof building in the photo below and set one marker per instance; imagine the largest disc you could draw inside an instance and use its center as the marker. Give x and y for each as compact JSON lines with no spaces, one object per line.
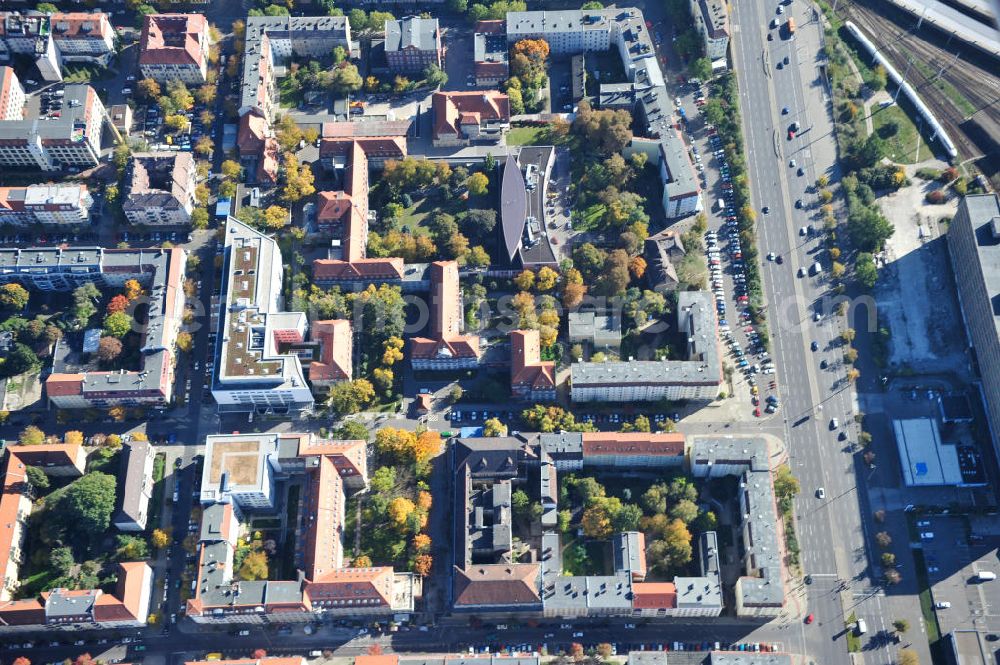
{"x":336,"y":346}
{"x":461,"y":118}
{"x":135,"y":486}
{"x":412,"y":44}
{"x":531,"y":378}
{"x":174,"y":46}
{"x":445,"y":347}
{"x":161,"y":189}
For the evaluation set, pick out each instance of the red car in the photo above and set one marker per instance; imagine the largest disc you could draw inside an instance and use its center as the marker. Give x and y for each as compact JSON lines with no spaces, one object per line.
{"x":756,"y":412}
{"x":791,"y":134}
{"x":809,"y":618}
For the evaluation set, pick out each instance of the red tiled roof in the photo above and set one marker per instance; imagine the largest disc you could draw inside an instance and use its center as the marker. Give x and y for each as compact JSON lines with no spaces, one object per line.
{"x":354,"y":584}
{"x":73,"y":22}
{"x":64,"y":385}
{"x":253,"y":131}
{"x":384,"y":659}
{"x":449,"y":106}
{"x":173,"y":39}
{"x":526,"y":365}
{"x":491,"y":69}
{"x":633,"y":443}
{"x":26,"y":612}
{"x":497,"y":584}
{"x":334,"y":363}
{"x":322,"y":547}
{"x":446,"y":318}
{"x":653,"y":595}
{"x":374,"y":269}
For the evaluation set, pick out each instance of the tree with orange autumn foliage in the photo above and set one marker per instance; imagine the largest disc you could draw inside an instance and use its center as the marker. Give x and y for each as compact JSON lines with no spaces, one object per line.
{"x":427,"y":446}
{"x":361,"y":561}
{"x":374,"y":649}
{"x":422,"y":564}
{"x":400,"y":510}
{"x":535,"y":49}
{"x":637,"y":266}
{"x":118,"y":304}
{"x":21,"y":660}
{"x":132,"y":289}
{"x":422,"y":543}
{"x":424,"y":500}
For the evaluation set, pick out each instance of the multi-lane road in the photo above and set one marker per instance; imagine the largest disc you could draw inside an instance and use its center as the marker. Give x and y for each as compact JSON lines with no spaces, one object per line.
{"x":832,"y":532}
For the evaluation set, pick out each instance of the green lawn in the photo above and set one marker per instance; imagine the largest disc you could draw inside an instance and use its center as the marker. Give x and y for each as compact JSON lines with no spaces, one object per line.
{"x":926,"y":602}
{"x":590,"y":219}
{"x":414,"y":218}
{"x":591,"y":564}
{"x":947,"y":89}
{"x":540,"y":135}
{"x":853,"y":639}
{"x":901,"y":147}
{"x":289,"y":95}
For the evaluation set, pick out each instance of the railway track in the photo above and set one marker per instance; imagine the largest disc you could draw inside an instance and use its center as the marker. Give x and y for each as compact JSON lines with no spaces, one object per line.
{"x":896,"y":35}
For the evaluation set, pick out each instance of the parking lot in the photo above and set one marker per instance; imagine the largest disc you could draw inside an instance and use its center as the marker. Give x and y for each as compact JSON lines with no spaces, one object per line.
{"x":754,"y":375}
{"x":955,"y":560}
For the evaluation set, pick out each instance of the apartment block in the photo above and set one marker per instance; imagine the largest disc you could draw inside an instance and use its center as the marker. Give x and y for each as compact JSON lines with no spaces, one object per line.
{"x":83,"y":37}
{"x":711,"y":20}
{"x":135,"y":487}
{"x":531,"y":378}
{"x":73,"y":36}
{"x":571,"y":32}
{"x":271,"y":41}
{"x":58,"y":205}
{"x":174,"y":47}
{"x":161,"y":189}
{"x":699,"y":377}
{"x":76,"y":385}
{"x":12,"y":96}
{"x":52,"y":144}
{"x":490,"y":54}
{"x":974,"y":243}
{"x":412,"y":44}
{"x":256,"y":371}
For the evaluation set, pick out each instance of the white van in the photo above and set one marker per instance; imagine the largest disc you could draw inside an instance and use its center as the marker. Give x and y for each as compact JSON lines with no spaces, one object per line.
{"x":862,"y":627}
{"x":985,"y":575}
{"x":816,"y":268}
{"x":721,"y":204}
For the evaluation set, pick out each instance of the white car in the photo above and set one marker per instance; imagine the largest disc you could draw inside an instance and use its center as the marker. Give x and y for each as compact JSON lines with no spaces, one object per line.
{"x":942,"y":605}
{"x":821,"y":493}
{"x":927,"y":535}
{"x":577,"y":634}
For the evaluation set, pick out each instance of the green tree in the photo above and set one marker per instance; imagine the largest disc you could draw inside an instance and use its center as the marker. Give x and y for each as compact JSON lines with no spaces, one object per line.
{"x":865,"y":270}
{"x":352,"y":430}
{"x":62,"y":561}
{"x":345,"y":78}
{"x":901,"y":625}
{"x":702,"y":68}
{"x":22,"y":359}
{"x":132,"y":548}
{"x":520,"y":503}
{"x":85,"y":298}
{"x":14,"y":296}
{"x":383,"y":480}
{"x":46,"y":8}
{"x":684,"y":510}
{"x":626,"y":518}
{"x":117,"y":324}
{"x":37,"y":478}
{"x":435,"y":76}
{"x":88,"y":503}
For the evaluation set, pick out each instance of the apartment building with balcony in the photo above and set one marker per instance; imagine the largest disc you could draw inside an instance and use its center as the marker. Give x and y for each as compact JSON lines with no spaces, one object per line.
{"x":53,"y":205}
{"x":161,"y":189}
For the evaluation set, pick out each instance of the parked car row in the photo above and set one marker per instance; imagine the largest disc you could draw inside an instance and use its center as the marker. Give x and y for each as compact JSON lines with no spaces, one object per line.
{"x":724,"y":252}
